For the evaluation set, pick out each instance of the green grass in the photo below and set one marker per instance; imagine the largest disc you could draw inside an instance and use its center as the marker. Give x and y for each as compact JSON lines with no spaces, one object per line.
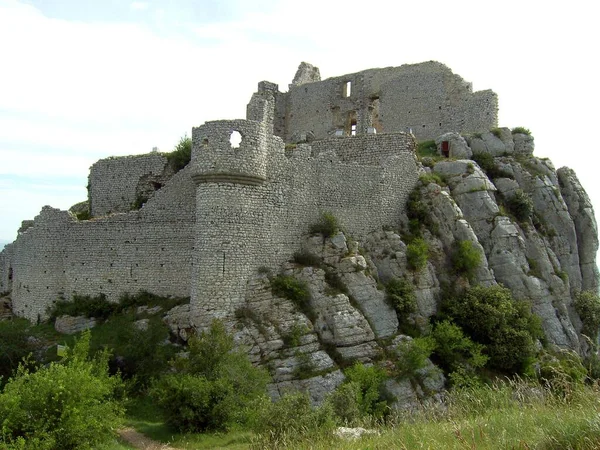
{"x":147,"y":418}
{"x":515,"y":415}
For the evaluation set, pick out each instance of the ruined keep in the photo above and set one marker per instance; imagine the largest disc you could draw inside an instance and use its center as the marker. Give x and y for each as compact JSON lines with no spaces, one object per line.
{"x":347,"y":146}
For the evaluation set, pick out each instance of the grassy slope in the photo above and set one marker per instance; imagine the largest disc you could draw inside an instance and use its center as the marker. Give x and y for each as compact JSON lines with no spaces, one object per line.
{"x":487,"y":419}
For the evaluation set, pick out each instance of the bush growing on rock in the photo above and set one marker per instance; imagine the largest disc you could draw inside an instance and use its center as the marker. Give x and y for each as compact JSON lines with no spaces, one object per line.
{"x":401,"y":295}
{"x":214,"y":386}
{"x":417,"y":253}
{"x":286,"y":286}
{"x":520,"y":205}
{"x":465,"y":258}
{"x":454,"y":351}
{"x":361,"y":395}
{"x":65,"y":405}
{"x":587,"y":305}
{"x":505,"y":326}
{"x":327,"y":225}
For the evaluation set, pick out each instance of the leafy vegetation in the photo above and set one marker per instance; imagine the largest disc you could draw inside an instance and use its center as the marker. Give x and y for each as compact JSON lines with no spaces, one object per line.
{"x":181,"y":155}
{"x":213,"y":387}
{"x":417,"y":253}
{"x":505,"y":326}
{"x":400,"y":293}
{"x":98,"y":307}
{"x":488,"y":164}
{"x":362,"y":395}
{"x":520,"y":205}
{"x":465,"y":258}
{"x":327,"y":225}
{"x":15,"y":344}
{"x":587,"y":305}
{"x":287,"y":286}
{"x":454,"y":351}
{"x":521,"y":130}
{"x":69,"y":404}
{"x":427,"y":148}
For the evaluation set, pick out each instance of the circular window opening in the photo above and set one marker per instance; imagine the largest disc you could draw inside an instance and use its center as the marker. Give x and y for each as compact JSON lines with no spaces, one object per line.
{"x":235,"y":139}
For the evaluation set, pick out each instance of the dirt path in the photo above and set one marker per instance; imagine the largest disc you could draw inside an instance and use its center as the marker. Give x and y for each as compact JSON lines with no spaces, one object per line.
{"x":138,"y":440}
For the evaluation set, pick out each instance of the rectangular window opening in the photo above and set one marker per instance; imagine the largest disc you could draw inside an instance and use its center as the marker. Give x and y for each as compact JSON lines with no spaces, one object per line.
{"x":348,"y":89}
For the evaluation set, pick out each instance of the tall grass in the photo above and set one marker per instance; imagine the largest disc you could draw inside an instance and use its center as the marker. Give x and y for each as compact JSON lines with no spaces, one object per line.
{"x":505,"y":415}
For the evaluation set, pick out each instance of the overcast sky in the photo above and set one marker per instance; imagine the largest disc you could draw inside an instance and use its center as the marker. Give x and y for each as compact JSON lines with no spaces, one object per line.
{"x":87,"y":79}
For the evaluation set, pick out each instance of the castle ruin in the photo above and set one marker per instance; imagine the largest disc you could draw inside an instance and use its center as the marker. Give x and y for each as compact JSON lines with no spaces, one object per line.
{"x":239,"y":206}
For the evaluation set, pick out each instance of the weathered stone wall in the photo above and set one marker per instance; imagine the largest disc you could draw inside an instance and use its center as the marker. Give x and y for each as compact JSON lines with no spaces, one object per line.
{"x":150,"y":250}
{"x":426,"y":98}
{"x":259,"y":216}
{"x":113,"y":181}
{"x":6,"y":256}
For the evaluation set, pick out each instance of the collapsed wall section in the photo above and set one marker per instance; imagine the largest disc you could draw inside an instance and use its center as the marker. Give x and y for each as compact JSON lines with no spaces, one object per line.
{"x":426,"y":99}
{"x":113,"y":182}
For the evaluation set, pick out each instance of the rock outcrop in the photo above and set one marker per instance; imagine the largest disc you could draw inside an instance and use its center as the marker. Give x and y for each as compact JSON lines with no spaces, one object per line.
{"x":533,"y":228}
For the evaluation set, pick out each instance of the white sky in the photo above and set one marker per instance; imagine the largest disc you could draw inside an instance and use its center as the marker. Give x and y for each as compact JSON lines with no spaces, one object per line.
{"x":81,"y":80}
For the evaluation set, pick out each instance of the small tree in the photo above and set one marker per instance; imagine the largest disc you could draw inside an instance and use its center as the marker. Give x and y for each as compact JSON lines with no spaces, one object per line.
{"x":67,"y":405}
{"x":417,"y":253}
{"x":505,"y":326}
{"x":214,"y":386}
{"x":465,"y":258}
{"x":401,"y":295}
{"x":587,"y":305}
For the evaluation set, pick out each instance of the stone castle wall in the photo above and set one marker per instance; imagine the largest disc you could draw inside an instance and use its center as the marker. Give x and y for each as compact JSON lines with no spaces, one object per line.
{"x":427,"y":99}
{"x":150,"y":250}
{"x":261,"y":218}
{"x":113,"y":181}
{"x":236,"y":208}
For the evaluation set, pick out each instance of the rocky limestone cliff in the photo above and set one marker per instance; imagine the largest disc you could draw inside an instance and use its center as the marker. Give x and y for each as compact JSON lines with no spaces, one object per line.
{"x":533,"y":227}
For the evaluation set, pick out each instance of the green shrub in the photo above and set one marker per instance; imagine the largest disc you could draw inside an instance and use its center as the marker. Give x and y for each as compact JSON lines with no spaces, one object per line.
{"x":85,"y":305}
{"x":14,"y":346}
{"x":587,"y":305}
{"x":327,"y":225}
{"x":417,"y":253}
{"x":412,"y":355}
{"x":83,"y":215}
{"x":214,"y":387}
{"x":65,"y":405}
{"x":563,"y":372}
{"x":295,"y":290}
{"x":401,"y":295}
{"x":521,"y":130}
{"x":427,"y":148}
{"x":487,"y":163}
{"x":307,"y":259}
{"x":454,"y":351}
{"x":181,"y":155}
{"x":465,"y":258}
{"x":293,"y":336}
{"x":371,"y":399}
{"x":138,"y":354}
{"x":520,"y":205}
{"x":427,"y":178}
{"x":290,"y":419}
{"x":505,"y":326}
{"x":417,"y":211}
{"x":497,"y":132}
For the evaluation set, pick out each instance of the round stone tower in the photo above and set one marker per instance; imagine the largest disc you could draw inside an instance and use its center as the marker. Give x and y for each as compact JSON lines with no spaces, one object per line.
{"x":229,"y":160}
